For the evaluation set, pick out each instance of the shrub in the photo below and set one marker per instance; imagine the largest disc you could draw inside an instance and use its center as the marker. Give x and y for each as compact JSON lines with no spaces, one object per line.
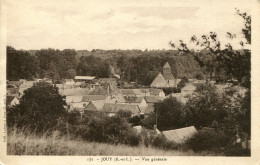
{"x":162,"y":143}
{"x":208,"y":140}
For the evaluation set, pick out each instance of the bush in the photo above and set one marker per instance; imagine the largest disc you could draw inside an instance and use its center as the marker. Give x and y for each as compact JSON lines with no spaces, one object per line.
{"x":208,"y":140}
{"x":168,"y":91}
{"x":162,"y":143}
{"x":99,"y":128}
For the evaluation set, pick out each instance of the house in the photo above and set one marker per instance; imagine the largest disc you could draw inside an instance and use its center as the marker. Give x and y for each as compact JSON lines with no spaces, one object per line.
{"x":164,"y":79}
{"x":11,"y":101}
{"x":27,"y":84}
{"x":179,"y":97}
{"x":95,"y":105}
{"x":112,"y":109}
{"x":69,"y":82}
{"x":179,"y":136}
{"x":64,"y":86}
{"x":159,"y":81}
{"x":74,"y":99}
{"x":89,"y":79}
{"x":153,"y":99}
{"x":188,"y":89}
{"x":98,"y":91}
{"x":150,"y":100}
{"x":156,"y":92}
{"x":111,"y":81}
{"x":78,"y":84}
{"x":80,"y":106}
{"x":141,"y":92}
{"x":88,"y":98}
{"x":135,"y":100}
{"x":16,"y":83}
{"x":128,"y":92}
{"x":74,"y":92}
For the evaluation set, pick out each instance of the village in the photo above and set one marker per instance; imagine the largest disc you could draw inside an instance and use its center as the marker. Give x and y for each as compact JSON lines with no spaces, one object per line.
{"x":85,"y":94}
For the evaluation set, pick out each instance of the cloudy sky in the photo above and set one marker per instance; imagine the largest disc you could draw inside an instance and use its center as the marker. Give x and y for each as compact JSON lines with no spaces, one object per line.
{"x":131,"y":24}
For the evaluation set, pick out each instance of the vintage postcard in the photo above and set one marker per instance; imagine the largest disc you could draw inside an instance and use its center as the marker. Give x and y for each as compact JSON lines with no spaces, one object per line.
{"x":129,"y":82}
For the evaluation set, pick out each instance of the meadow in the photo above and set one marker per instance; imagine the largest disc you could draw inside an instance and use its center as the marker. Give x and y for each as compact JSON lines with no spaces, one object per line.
{"x":20,"y":144}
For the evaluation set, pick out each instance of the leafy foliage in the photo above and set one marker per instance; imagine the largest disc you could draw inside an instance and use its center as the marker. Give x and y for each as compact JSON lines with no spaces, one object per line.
{"x":169,"y":114}
{"x":40,"y":108}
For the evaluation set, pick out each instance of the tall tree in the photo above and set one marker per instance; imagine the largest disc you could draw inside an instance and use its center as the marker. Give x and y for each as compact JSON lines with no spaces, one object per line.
{"x":40,"y":108}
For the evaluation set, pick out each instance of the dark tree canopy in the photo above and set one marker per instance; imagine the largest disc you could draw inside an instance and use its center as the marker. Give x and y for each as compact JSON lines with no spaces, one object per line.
{"x":40,"y":108}
{"x":169,"y":114}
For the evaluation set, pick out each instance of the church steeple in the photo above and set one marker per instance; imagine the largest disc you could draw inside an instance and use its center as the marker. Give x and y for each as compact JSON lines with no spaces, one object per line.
{"x":167,"y":71}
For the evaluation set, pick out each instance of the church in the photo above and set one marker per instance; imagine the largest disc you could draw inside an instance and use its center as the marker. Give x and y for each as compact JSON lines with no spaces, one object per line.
{"x":164,"y":79}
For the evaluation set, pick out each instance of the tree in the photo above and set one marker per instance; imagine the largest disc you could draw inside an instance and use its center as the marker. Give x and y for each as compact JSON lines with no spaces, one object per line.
{"x":205,"y":107}
{"x":18,"y":66}
{"x":71,"y":73}
{"x":40,"y":108}
{"x":233,"y":64}
{"x":169,"y":114}
{"x":183,"y":82}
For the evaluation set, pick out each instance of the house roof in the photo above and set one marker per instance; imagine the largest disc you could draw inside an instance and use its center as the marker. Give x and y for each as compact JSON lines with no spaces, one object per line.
{"x":65,"y":86}
{"x":180,"y":135}
{"x":133,"y":99}
{"x":87,"y":98}
{"x":74,"y":92}
{"x":189,"y":87}
{"x":74,"y":99}
{"x":16,"y":83}
{"x":155,"y":91}
{"x":95,"y":105}
{"x":27,"y":84}
{"x":85,"y":77}
{"x":149,"y":109}
{"x":78,"y":83}
{"x":98,"y":91}
{"x":69,"y":81}
{"x":153,"y":99}
{"x":127,"y":92}
{"x":21,"y":90}
{"x":166,"y":65}
{"x":113,"y":108}
{"x":141,"y":91}
{"x":9,"y":99}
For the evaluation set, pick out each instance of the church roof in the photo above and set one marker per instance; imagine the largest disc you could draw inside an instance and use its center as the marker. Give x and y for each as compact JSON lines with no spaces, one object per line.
{"x":166,"y":65}
{"x":168,"y":76}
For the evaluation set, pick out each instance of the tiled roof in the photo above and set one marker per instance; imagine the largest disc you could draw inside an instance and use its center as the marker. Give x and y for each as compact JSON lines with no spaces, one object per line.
{"x":133,"y":99}
{"x":93,"y":98}
{"x":149,"y":109}
{"x":16,"y":83}
{"x":75,"y":99}
{"x":155,"y":91}
{"x":95,"y":105}
{"x":74,"y":92}
{"x":113,"y":108}
{"x":189,"y":87}
{"x":127,"y":92}
{"x":98,"y":91}
{"x":153,"y":99}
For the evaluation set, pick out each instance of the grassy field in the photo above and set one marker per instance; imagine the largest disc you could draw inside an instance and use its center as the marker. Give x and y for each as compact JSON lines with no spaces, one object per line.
{"x":19,"y":144}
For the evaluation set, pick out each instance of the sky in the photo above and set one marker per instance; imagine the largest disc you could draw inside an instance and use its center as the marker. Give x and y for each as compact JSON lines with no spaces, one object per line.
{"x":114,"y":24}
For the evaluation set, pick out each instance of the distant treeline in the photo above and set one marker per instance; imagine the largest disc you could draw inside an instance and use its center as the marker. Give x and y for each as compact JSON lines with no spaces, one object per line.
{"x":131,"y":65}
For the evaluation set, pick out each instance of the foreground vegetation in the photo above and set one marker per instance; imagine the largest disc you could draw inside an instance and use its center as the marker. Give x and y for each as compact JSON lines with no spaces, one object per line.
{"x":20,"y":144}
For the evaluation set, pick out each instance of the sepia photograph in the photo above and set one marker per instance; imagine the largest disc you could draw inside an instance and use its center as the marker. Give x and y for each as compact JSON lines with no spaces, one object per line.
{"x":111,"y":78}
